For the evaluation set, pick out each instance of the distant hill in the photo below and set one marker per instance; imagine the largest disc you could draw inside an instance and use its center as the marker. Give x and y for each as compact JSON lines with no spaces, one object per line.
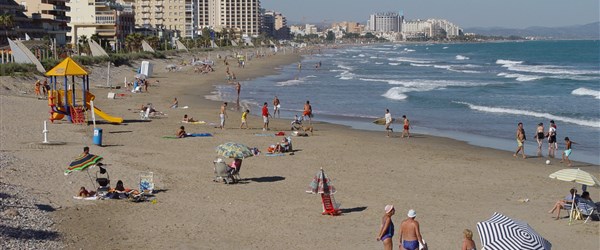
{"x":586,"y":31}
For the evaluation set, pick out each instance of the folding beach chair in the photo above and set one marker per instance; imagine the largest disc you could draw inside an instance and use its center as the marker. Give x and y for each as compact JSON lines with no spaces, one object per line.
{"x":146,"y":182}
{"x":587,"y":210}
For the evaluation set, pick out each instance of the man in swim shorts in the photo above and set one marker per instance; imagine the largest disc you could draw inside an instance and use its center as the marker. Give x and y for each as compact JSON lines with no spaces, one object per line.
{"x":307,"y":112}
{"x":568,"y":151}
{"x":520,"y":140}
{"x":406,"y":127}
{"x":410,"y":233}
{"x":265,"y":116}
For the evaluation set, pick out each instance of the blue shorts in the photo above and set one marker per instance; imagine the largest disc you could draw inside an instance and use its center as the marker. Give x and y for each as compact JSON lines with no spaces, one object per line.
{"x":410,"y":245}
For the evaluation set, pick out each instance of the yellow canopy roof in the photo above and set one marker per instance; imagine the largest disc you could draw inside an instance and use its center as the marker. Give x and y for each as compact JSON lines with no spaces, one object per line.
{"x":67,"y":67}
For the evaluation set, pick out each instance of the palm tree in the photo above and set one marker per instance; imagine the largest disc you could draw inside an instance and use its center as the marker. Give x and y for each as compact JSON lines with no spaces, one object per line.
{"x":7,"y":22}
{"x":133,"y":42}
{"x":83,"y":45}
{"x":153,"y":41}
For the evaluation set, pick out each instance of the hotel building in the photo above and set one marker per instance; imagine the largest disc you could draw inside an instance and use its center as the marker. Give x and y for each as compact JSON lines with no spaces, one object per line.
{"x":240,"y":15}
{"x":112,"y":21}
{"x":175,"y":17}
{"x":385,"y":22}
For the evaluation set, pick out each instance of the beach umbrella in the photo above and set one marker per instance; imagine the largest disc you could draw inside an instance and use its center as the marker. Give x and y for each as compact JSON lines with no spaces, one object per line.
{"x":141,"y":76}
{"x":83,"y":162}
{"x":503,"y":233}
{"x":321,"y":184}
{"x":234,"y":150}
{"x":577,"y":176}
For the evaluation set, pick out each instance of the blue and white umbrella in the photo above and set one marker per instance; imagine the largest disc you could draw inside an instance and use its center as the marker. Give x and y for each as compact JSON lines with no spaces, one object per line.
{"x":503,"y":233}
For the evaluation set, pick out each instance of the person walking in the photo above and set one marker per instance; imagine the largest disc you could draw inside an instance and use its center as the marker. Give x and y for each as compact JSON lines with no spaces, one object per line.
{"x":276,"y":106}
{"x":410,"y":232}
{"x":520,"y":140}
{"x":265,"y":116}
{"x":244,"y":117}
{"x":388,"y":122}
{"x":387,"y":228}
{"x":552,"y":144}
{"x":539,"y":136}
{"x":568,"y":151}
{"x":406,"y":127}
{"x":307,"y":112}
{"x":223,"y":115}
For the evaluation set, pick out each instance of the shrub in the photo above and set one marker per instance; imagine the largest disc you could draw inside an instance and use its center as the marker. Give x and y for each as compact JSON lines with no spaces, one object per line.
{"x":12,"y":69}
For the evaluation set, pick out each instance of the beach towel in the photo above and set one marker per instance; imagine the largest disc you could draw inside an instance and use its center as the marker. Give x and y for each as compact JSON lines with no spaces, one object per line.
{"x":196,"y":122}
{"x":83,"y":162}
{"x":280,"y":133}
{"x":92,"y":198}
{"x":265,"y":135}
{"x":274,"y":154}
{"x":188,"y":135}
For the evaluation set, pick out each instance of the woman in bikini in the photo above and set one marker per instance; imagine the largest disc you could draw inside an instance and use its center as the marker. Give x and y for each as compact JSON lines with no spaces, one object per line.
{"x":387,"y":228}
{"x":539,"y":136}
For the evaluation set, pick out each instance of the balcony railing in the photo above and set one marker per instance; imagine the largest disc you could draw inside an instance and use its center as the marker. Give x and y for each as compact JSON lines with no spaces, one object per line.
{"x":105,"y":19}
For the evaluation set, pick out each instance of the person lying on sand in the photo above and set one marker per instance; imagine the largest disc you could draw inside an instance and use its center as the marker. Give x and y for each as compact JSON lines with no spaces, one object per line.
{"x":188,"y":119}
{"x":85,"y":193}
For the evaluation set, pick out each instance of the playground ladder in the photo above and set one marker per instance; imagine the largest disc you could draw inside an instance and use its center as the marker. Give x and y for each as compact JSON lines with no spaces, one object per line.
{"x":77,"y":115}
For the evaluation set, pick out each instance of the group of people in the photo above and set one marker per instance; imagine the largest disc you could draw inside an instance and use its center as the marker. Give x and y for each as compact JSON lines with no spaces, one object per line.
{"x":574,"y":198}
{"x":40,"y":87}
{"x":540,"y":135}
{"x":388,"y":124}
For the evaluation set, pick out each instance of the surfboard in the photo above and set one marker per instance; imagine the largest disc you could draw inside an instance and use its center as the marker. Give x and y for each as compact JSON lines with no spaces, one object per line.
{"x":381,"y":121}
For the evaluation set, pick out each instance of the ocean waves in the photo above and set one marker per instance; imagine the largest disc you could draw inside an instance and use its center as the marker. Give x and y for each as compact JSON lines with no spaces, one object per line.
{"x":519,"y":66}
{"x":406,"y":86}
{"x":500,"y":110}
{"x":586,"y":92}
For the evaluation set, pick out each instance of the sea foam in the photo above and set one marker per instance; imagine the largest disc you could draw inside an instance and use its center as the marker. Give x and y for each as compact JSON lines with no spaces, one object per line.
{"x":588,"y":123}
{"x":461,"y":57}
{"x":544,"y":69}
{"x":586,"y":92}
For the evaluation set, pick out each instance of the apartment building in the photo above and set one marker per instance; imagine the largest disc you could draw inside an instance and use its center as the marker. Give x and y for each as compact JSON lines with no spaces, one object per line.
{"x":385,"y":22}
{"x":21,"y":23}
{"x":275,"y":24}
{"x":241,"y":15}
{"x":424,"y":29}
{"x":174,"y":17}
{"x":52,"y":14}
{"x":112,"y":21}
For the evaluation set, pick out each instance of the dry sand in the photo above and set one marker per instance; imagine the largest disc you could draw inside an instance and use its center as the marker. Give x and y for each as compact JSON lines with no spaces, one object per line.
{"x":451,"y":185}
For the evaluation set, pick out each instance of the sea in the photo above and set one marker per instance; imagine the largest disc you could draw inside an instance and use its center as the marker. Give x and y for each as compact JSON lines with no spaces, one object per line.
{"x":473,"y":92}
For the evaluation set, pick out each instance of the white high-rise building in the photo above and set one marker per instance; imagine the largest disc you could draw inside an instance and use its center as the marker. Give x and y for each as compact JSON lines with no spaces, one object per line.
{"x":241,"y":15}
{"x":423,"y":29}
{"x":385,"y":22}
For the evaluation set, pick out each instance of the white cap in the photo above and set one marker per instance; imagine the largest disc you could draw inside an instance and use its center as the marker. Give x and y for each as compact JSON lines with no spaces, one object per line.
{"x":412,"y":213}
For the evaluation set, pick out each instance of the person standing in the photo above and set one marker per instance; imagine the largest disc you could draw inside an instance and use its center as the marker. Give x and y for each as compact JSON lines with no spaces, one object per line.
{"x":406,"y":127}
{"x":410,"y":233}
{"x":307,"y":112}
{"x":244,"y":117}
{"x":276,"y":106}
{"x":539,"y":136}
{"x":520,"y":140}
{"x":37,"y":87}
{"x":223,"y":115}
{"x":388,"y":122}
{"x":387,"y":228}
{"x":552,"y":142}
{"x":265,"y":116}
{"x":238,"y":88}
{"x":568,"y":151}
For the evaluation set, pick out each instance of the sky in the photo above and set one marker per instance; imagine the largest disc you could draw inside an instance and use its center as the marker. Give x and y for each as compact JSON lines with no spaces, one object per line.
{"x":464,"y":13}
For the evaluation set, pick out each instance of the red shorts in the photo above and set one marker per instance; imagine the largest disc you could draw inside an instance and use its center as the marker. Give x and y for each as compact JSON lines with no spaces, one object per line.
{"x":307,"y":113}
{"x":406,"y":127}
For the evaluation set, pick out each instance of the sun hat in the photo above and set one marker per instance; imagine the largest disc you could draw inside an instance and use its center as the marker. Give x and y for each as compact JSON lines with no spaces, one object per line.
{"x":389,"y":208}
{"x":412,"y":213}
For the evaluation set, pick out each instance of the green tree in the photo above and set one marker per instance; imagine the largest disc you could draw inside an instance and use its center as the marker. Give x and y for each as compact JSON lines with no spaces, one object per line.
{"x":83,"y":45}
{"x":133,"y":42}
{"x":330,"y":36}
{"x":7,"y":22}
{"x":153,"y":41}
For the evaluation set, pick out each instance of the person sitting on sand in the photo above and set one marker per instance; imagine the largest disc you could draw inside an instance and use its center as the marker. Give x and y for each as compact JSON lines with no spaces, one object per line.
{"x":568,"y":200}
{"x":468,"y":243}
{"x":175,"y":103}
{"x":283,"y":146}
{"x":188,"y":119}
{"x":85,"y":193}
{"x":181,"y":132}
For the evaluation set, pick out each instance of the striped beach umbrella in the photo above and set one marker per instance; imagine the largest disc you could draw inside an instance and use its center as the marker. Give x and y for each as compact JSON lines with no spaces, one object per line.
{"x":503,"y":233}
{"x":577,"y":176}
{"x":83,"y":162}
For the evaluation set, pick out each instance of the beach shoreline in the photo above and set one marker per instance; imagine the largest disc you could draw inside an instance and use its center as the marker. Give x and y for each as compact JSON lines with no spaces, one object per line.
{"x":451,"y":184}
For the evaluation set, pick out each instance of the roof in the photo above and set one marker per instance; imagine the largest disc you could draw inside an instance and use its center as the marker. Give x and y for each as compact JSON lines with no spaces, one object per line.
{"x":67,"y":67}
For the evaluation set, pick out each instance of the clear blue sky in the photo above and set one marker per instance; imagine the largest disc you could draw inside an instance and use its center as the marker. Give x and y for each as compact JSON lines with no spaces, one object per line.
{"x":465,"y":13}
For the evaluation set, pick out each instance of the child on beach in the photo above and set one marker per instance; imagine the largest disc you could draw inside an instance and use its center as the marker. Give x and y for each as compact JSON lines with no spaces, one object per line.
{"x":568,"y":151}
{"x":37,"y":87}
{"x":244,"y":116}
{"x":175,"y":103}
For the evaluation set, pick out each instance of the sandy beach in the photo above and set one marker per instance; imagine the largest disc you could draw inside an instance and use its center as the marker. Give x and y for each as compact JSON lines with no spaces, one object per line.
{"x":452,"y":185}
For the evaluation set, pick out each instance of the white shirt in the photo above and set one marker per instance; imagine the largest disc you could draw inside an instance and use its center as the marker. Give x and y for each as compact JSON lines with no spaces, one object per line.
{"x":551,"y":131}
{"x":388,"y":118}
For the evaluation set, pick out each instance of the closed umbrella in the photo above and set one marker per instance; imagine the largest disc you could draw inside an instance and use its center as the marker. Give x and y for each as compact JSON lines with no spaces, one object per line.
{"x":321,"y":184}
{"x":234,"y":150}
{"x":503,"y":233}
